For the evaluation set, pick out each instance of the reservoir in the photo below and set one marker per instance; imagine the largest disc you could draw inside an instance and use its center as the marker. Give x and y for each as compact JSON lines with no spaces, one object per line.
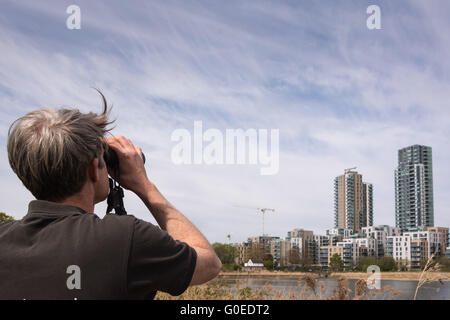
{"x":284,"y":285}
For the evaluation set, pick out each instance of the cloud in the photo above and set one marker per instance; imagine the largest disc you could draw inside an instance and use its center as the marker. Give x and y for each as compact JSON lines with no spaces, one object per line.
{"x":340,"y":94}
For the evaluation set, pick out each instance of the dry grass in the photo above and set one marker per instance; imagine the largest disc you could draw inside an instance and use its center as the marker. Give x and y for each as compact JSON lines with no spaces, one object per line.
{"x":430,"y":273}
{"x":308,"y":288}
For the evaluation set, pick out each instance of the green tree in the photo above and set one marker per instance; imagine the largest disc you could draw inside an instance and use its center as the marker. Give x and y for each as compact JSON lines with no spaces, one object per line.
{"x":5,"y":218}
{"x":226,"y":253}
{"x":444,"y":264}
{"x":268,"y":264}
{"x":387,"y":264}
{"x":365,"y":262}
{"x":336,"y":263}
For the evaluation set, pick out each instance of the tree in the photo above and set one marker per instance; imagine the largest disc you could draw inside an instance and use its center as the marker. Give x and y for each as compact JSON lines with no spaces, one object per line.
{"x":225,"y":252}
{"x":336,"y":263}
{"x":387,"y":264}
{"x":365,"y":262}
{"x":256,"y":253}
{"x":268,"y":264}
{"x":294,"y":256}
{"x":306,"y":263}
{"x":402,"y":265}
{"x":5,"y":218}
{"x":423,"y":263}
{"x":444,"y":264}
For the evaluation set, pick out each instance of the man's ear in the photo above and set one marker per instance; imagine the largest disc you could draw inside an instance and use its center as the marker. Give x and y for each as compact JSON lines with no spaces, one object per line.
{"x":93,"y":171}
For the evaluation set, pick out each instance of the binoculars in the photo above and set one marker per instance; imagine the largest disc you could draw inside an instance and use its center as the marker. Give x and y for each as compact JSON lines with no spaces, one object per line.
{"x":112,"y":160}
{"x":115,"y":196}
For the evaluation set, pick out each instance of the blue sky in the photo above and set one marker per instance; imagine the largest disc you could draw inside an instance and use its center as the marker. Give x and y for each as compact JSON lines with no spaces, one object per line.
{"x":340,"y":94}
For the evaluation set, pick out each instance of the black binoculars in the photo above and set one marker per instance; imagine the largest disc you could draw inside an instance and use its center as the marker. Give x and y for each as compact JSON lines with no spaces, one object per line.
{"x":115,"y":196}
{"x":112,"y":160}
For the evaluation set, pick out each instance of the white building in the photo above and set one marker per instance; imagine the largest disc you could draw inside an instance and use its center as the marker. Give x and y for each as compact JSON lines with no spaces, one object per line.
{"x":345,"y":233}
{"x":433,"y":241}
{"x":399,"y":247}
{"x":351,"y":251}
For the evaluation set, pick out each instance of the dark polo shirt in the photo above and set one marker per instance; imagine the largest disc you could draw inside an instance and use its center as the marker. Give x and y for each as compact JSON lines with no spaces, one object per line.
{"x":57,"y":248}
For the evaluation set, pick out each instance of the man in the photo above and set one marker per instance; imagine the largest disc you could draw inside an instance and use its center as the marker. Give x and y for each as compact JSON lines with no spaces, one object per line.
{"x":61,"y":249}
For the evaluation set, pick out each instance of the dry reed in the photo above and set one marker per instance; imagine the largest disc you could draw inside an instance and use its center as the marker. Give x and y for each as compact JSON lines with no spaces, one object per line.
{"x":308,"y":288}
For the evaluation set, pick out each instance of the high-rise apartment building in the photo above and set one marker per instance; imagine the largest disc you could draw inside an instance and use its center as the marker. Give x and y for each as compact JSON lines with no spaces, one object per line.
{"x":414,"y":188}
{"x":353,"y":202}
{"x":367,"y":217}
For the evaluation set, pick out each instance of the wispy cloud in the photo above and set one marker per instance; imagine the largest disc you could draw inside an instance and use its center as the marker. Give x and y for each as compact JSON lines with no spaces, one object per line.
{"x":340,"y":94}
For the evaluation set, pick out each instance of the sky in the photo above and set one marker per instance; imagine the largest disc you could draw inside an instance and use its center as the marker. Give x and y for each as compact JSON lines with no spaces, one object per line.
{"x":340,"y":95}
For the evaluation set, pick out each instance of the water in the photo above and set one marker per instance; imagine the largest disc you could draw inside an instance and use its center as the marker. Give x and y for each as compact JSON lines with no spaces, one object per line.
{"x":429,"y":291}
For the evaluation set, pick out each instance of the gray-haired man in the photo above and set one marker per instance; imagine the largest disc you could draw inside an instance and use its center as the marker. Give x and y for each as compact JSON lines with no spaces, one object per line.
{"x":61,"y":249}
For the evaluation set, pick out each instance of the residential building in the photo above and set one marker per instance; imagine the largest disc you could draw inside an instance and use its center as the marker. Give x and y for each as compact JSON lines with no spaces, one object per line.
{"x":275,"y":251}
{"x":302,"y":241}
{"x":444,"y":238}
{"x":319,"y":241}
{"x":327,"y":252}
{"x":367,"y":212}
{"x":242,"y":252}
{"x":391,"y":231}
{"x":285,"y":251}
{"x":353,"y":203}
{"x":366,"y":246}
{"x":413,"y":180}
{"x":434,"y":244}
{"x":342,"y":232}
{"x":399,"y":247}
{"x":419,"y":252}
{"x":260,"y":248}
{"x":380,"y":234}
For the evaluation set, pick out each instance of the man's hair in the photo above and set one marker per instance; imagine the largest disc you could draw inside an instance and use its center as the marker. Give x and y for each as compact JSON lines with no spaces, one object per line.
{"x":50,"y":150}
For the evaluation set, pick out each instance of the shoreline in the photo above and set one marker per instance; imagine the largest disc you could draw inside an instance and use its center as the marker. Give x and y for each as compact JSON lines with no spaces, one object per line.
{"x":395,"y":275}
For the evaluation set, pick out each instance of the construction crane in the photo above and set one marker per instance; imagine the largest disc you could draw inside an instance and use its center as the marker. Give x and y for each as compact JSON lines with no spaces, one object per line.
{"x":262,"y":210}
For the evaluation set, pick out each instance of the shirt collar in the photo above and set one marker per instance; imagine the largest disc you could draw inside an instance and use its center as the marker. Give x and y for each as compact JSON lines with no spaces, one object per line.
{"x":52,"y":208}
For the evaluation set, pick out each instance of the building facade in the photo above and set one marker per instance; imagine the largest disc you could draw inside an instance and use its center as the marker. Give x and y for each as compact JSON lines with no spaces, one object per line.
{"x":353,"y":201}
{"x":413,"y":180}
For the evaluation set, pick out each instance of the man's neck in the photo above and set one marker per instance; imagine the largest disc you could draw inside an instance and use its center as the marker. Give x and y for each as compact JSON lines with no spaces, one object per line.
{"x":81,"y":200}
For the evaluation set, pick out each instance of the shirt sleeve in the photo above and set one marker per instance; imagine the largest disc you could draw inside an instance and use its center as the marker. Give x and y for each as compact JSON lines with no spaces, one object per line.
{"x":157,"y":262}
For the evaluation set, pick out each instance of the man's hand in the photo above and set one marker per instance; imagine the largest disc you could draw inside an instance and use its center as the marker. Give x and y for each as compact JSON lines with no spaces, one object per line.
{"x":133,"y":177}
{"x":132,"y":171}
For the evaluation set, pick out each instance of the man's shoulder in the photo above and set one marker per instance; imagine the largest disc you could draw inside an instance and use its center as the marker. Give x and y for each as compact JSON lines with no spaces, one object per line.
{"x":111,"y":221}
{"x":125,"y":222}
{"x":8,"y":225}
